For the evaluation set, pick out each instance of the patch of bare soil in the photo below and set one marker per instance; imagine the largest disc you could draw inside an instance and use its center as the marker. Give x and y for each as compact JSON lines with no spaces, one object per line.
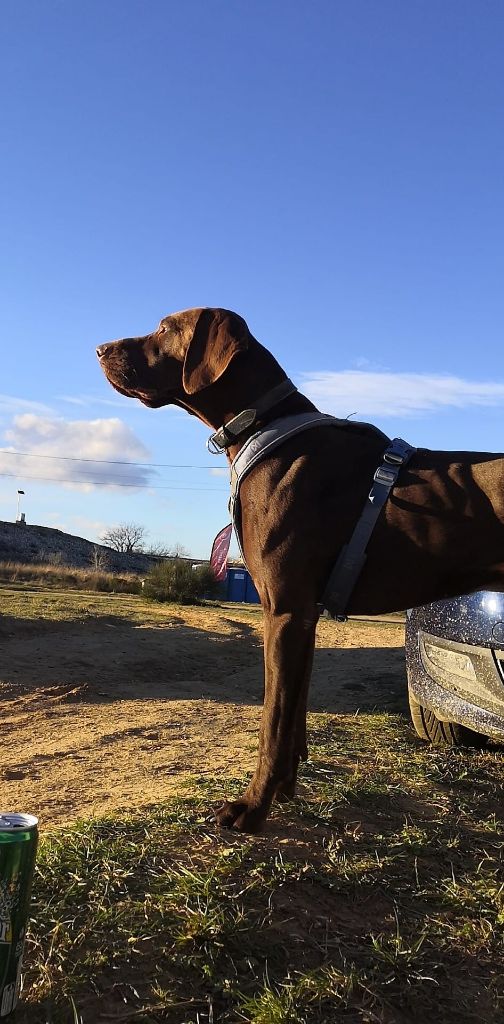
{"x":106,"y":714}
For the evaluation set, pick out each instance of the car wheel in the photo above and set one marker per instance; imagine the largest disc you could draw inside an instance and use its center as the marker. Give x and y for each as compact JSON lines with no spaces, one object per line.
{"x":441,"y":734}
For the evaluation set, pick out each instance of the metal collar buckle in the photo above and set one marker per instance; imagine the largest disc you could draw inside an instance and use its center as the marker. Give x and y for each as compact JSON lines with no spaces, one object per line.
{"x":213,"y":447}
{"x":229,"y":433}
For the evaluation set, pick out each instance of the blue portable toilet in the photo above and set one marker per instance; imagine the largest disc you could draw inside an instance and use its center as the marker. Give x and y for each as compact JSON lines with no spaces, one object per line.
{"x":251,"y":595}
{"x":240,"y":587}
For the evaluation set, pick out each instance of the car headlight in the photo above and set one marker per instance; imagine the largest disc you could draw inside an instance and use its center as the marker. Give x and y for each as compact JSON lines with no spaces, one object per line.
{"x":445,"y":664}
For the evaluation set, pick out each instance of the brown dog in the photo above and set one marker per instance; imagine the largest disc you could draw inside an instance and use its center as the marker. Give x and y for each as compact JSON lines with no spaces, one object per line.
{"x":441,"y":532}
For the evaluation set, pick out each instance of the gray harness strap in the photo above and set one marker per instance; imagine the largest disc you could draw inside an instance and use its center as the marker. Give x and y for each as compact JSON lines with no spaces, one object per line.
{"x":262,"y":444}
{"x":352,"y":556}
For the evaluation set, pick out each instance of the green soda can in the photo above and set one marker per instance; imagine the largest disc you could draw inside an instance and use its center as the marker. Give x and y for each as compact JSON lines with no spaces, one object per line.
{"x":18,"y":846}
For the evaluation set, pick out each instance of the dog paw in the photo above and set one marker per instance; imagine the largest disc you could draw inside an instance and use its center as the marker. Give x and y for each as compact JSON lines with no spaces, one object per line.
{"x":238,"y":814}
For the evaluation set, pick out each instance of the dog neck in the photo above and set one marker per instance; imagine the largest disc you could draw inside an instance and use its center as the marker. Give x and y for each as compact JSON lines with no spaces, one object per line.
{"x":246,"y":380}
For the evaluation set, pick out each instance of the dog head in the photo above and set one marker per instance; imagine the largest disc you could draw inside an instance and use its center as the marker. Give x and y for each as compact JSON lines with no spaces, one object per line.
{"x":186,"y":353}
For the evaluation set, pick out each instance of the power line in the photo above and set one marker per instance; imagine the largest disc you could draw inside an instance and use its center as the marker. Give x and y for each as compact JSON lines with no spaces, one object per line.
{"x":106,"y":462}
{"x":110,"y":483}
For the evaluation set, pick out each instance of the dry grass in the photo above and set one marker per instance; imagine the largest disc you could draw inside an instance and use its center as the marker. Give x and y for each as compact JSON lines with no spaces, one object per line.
{"x":46,"y":575}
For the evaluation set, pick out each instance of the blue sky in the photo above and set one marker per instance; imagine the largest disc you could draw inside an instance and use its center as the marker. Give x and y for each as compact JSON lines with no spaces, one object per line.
{"x":332,"y":171}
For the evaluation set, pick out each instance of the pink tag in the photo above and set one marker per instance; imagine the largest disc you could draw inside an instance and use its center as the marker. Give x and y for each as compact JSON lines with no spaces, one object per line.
{"x":220,"y":548}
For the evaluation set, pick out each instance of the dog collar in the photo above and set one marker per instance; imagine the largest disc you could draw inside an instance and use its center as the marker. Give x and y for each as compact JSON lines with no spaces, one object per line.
{"x":230,"y":433}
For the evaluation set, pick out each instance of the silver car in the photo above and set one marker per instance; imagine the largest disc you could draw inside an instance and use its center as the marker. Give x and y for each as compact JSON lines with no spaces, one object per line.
{"x":455,"y":667}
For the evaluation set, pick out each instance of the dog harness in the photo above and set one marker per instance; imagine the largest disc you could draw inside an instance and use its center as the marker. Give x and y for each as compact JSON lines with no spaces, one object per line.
{"x":262,"y":444}
{"x":352,"y":556}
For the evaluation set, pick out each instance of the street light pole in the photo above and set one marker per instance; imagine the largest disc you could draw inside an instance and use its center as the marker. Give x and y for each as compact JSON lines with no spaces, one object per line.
{"x":19,"y":493}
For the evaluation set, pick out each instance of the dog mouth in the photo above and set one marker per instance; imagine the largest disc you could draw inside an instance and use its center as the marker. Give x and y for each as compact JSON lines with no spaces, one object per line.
{"x":126,"y":369}
{"x":126,"y":385}
{"x":150,"y":401}
{"x":130,"y":391}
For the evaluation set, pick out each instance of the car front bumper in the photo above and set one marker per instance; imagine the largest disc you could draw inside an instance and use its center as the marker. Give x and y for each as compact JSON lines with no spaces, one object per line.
{"x":481,"y":710}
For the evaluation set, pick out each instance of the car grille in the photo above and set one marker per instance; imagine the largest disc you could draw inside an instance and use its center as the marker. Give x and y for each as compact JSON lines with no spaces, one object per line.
{"x":499,"y":657}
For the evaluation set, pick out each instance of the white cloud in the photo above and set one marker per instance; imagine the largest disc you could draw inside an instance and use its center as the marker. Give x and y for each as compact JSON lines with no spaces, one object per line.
{"x":88,"y":527}
{"x":396,"y":394}
{"x":89,"y":400}
{"x":46,"y":442}
{"x":117,"y":402}
{"x":80,"y":526}
{"x":10,"y":404}
{"x":71,"y":400}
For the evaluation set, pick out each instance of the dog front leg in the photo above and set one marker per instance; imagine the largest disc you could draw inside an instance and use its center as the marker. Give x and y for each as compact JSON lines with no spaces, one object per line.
{"x":286,"y":790}
{"x":289,"y":640}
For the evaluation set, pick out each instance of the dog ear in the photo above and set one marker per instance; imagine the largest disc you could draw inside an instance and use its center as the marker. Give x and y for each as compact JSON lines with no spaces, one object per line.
{"x":219,"y":335}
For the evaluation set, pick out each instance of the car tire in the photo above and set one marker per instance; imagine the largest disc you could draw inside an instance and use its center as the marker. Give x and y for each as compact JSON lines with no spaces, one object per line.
{"x":441,"y":734}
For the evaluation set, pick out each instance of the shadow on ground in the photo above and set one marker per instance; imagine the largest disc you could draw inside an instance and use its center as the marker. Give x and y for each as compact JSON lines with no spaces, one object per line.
{"x":100,"y":659}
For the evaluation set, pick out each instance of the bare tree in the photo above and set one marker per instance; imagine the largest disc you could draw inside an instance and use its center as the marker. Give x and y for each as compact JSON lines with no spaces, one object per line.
{"x":177,"y":550}
{"x":126,"y":537}
{"x":157,"y":550}
{"x":98,"y":559}
{"x":160,"y":550}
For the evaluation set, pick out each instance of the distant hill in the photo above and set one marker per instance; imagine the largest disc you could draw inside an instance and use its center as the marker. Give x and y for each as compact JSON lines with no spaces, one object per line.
{"x":27,"y":544}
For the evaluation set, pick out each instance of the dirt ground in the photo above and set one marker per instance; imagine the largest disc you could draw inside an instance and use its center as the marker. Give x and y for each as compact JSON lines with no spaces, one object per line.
{"x":110,"y":713}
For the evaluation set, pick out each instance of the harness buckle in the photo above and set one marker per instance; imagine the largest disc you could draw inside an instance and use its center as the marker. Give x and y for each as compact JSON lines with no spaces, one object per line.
{"x":386,"y":476}
{"x":398,"y":452}
{"x":394,"y":458}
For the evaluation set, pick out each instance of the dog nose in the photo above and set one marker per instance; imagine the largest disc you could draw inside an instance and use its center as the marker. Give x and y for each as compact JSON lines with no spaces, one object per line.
{"x":103,"y":349}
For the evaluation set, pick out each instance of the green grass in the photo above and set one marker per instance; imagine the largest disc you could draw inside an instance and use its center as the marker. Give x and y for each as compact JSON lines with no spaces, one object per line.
{"x":22,"y":603}
{"x":40,"y":608}
{"x":377,"y":896}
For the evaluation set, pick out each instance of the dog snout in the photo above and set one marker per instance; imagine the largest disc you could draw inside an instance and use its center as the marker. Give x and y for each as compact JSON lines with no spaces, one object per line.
{"x":102,"y":350}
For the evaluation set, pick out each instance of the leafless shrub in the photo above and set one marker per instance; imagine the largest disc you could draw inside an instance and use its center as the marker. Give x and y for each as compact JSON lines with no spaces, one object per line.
{"x":98,"y":559}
